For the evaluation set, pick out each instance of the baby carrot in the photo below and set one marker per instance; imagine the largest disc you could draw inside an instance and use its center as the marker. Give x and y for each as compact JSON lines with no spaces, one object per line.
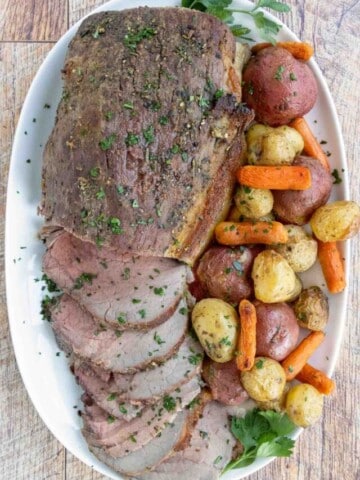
{"x":296,"y":360}
{"x":332,"y":266}
{"x":311,"y":146}
{"x":246,"y":346}
{"x":300,"y":50}
{"x":282,"y":177}
{"x":233,"y":233}
{"x":316,"y":378}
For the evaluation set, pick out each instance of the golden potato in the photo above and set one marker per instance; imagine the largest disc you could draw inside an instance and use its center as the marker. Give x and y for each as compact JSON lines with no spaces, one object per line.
{"x":336,"y":221}
{"x":253,"y":202}
{"x":300,"y":250}
{"x":273,"y":146}
{"x":266,"y":381}
{"x":216,"y":325}
{"x":312,"y":309}
{"x":304,"y":404}
{"x":274,"y":279}
{"x":297,"y":290}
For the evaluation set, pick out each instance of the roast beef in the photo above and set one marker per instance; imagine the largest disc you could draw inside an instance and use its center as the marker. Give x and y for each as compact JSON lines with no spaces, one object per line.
{"x":209,"y":450}
{"x":124,"y":291}
{"x":120,"y":437}
{"x":148,"y":132}
{"x":123,"y":352}
{"x":146,"y":386}
{"x":150,"y":454}
{"x":224,"y":382}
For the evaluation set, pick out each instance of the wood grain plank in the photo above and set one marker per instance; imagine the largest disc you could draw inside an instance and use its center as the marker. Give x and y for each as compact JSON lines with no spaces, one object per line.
{"x":33,"y":20}
{"x":79,"y":8}
{"x":28,"y":450}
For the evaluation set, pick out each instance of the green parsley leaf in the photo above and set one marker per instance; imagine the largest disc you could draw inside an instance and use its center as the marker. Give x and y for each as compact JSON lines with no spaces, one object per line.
{"x":169,"y":403}
{"x":107,"y":142}
{"x":279,"y":423}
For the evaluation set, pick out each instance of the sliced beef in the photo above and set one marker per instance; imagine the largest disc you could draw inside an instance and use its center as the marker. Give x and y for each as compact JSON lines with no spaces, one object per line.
{"x":148,"y":132}
{"x":124,"y":291}
{"x":208,"y":452}
{"x":124,"y":352}
{"x":121,"y":437}
{"x":151,"y":454}
{"x":146,"y":386}
{"x":224,"y":382}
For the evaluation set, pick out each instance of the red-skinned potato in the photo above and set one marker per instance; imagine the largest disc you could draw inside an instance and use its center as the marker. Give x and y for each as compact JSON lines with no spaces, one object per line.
{"x":225,"y":272}
{"x":277,"y":330}
{"x":295,"y":206}
{"x":278,"y":87}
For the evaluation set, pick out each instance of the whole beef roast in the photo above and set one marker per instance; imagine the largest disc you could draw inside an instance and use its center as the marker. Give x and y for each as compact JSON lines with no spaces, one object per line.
{"x":123,"y":352}
{"x":148,"y":132}
{"x":123,"y":291}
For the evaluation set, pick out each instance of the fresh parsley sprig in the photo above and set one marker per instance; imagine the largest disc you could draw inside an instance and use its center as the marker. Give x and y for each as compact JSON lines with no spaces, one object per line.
{"x":262,"y":434}
{"x":267,"y":28}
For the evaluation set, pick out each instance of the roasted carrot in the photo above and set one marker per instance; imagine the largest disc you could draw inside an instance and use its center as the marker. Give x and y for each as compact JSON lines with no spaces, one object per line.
{"x":282,"y":177}
{"x":299,"y":50}
{"x":296,"y":360}
{"x":311,"y":146}
{"x":332,"y":266}
{"x":233,"y":233}
{"x":246,"y":345}
{"x":316,"y":378}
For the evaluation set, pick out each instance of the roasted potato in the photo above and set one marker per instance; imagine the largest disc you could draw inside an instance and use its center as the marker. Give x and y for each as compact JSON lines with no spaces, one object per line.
{"x":274,"y":279}
{"x":224,"y":272}
{"x":278,"y":87}
{"x":277,"y":330}
{"x":272,"y":146}
{"x":216,"y":325}
{"x":253,"y":203}
{"x":265,"y":381}
{"x":336,"y":221}
{"x":304,"y":404}
{"x":312,"y":309}
{"x":278,"y":405}
{"x":300,"y":250}
{"x":236,"y":216}
{"x":294,"y":206}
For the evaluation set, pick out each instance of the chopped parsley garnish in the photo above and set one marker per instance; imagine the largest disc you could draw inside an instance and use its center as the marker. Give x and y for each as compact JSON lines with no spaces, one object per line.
{"x":109,"y":115}
{"x":135,"y":300}
{"x":111,"y":419}
{"x":293,"y":77}
{"x":225,"y":341}
{"x":131,"y":139}
{"x":183,"y":311}
{"x":195,"y":359}
{"x":100,"y":195}
{"x":134,"y":203}
{"x":163,"y":120}
{"x":142,"y":313}
{"x":50,"y":284}
{"x":279,"y":72}
{"x":159,"y":291}
{"x":82,"y":279}
{"x":336,"y":175}
{"x":259,"y":364}
{"x":121,"y":318}
{"x":107,"y":142}
{"x":94,"y":172}
{"x":132,"y":39}
{"x":219,"y":93}
{"x":128,"y":105}
{"x":120,"y":189}
{"x":169,"y":403}
{"x":122,"y":409}
{"x":148,"y":134}
{"x":114,"y":224}
{"x":111,"y":397}
{"x":158,"y":339}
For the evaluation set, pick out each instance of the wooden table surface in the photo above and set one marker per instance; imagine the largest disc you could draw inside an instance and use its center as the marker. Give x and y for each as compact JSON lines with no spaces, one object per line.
{"x":329,"y":450}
